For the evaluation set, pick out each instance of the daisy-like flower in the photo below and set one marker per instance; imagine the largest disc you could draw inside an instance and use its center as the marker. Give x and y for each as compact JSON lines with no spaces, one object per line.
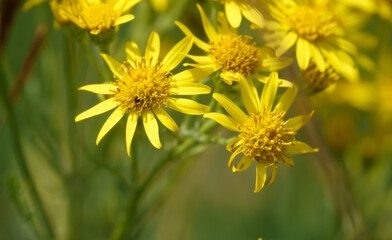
{"x":235,"y":9}
{"x":142,"y":85}
{"x":97,"y":16}
{"x":234,"y":55}
{"x":316,"y":35}
{"x":316,"y":80}
{"x":264,"y":137}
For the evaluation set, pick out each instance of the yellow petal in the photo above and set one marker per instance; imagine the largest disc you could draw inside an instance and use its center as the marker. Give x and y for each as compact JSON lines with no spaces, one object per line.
{"x":153,"y":47}
{"x":208,"y":28}
{"x":300,"y":148}
{"x":244,"y":164}
{"x":303,"y":53}
{"x":230,"y":107}
{"x":261,"y":175}
{"x":232,"y":157}
{"x":318,"y":58}
{"x":100,"y":108}
{"x":269,"y":92}
{"x":249,"y":95}
{"x":124,"y":19}
{"x":298,"y":122}
{"x":224,"y":120}
{"x":223,"y":26}
{"x":193,"y":75}
{"x":151,"y":127}
{"x":281,"y":82}
{"x":132,"y":51}
{"x":165,"y":119}
{"x":129,"y":4}
{"x":233,"y":144}
{"x":271,"y":179}
{"x":130,"y":130}
{"x":201,"y":44}
{"x":253,"y":15}
{"x":275,"y":64}
{"x":189,"y":88}
{"x":187,"y":106}
{"x":99,"y":88}
{"x":233,"y":13}
{"x":288,"y":161}
{"x":177,"y":53}
{"x":286,"y":100}
{"x":110,"y":122}
{"x":204,"y":60}
{"x":229,"y":77}
{"x":114,"y":65}
{"x":287,"y":42}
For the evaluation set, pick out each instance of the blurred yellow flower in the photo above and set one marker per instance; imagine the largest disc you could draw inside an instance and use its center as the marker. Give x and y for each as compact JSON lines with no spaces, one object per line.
{"x":316,"y":80}
{"x":234,"y":55}
{"x":316,"y":35}
{"x":234,"y":10}
{"x":97,"y":16}
{"x":264,"y":136}
{"x":160,"y":5}
{"x":383,"y":8}
{"x":142,"y":85}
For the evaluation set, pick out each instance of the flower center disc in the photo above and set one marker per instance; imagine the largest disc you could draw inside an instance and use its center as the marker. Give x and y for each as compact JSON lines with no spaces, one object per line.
{"x":264,"y":137}
{"x":99,"y":16}
{"x":144,"y":86}
{"x":311,"y":24}
{"x":235,"y":54}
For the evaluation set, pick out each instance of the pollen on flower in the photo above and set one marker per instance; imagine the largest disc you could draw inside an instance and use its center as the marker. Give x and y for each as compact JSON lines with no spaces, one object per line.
{"x":317,"y":80}
{"x":265,"y":138}
{"x":143,"y":86}
{"x":235,"y":54}
{"x":311,"y":23}
{"x":99,"y":16}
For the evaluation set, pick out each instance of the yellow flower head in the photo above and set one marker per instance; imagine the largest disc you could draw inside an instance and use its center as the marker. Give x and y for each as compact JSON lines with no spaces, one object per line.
{"x":316,"y":80}
{"x":235,"y":9}
{"x":316,"y":35}
{"x":234,"y":55}
{"x":264,"y":137}
{"x":97,"y":16}
{"x":142,"y":85}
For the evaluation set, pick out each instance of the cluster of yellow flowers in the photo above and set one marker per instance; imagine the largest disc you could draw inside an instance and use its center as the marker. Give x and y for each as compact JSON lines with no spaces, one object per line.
{"x":145,"y":85}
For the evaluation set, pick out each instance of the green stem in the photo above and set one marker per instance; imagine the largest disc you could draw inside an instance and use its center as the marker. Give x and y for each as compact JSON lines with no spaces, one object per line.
{"x":22,"y":162}
{"x":91,"y":58}
{"x":72,"y":138}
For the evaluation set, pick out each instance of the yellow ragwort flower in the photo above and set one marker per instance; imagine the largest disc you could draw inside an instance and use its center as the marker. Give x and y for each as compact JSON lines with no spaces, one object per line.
{"x":264,"y":137}
{"x":234,"y":55}
{"x":234,"y":10}
{"x":316,"y":35}
{"x":97,"y":16}
{"x":142,"y":86}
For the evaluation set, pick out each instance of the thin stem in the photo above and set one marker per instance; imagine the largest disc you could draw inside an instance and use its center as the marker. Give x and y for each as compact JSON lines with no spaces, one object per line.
{"x":22,"y":162}
{"x":91,"y":58}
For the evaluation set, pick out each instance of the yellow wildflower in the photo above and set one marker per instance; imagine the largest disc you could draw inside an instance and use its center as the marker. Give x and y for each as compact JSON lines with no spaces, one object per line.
{"x":234,"y":55}
{"x":97,"y":16}
{"x":160,"y":5}
{"x":142,"y":85}
{"x":316,"y":35}
{"x":264,"y":137}
{"x":234,"y":10}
